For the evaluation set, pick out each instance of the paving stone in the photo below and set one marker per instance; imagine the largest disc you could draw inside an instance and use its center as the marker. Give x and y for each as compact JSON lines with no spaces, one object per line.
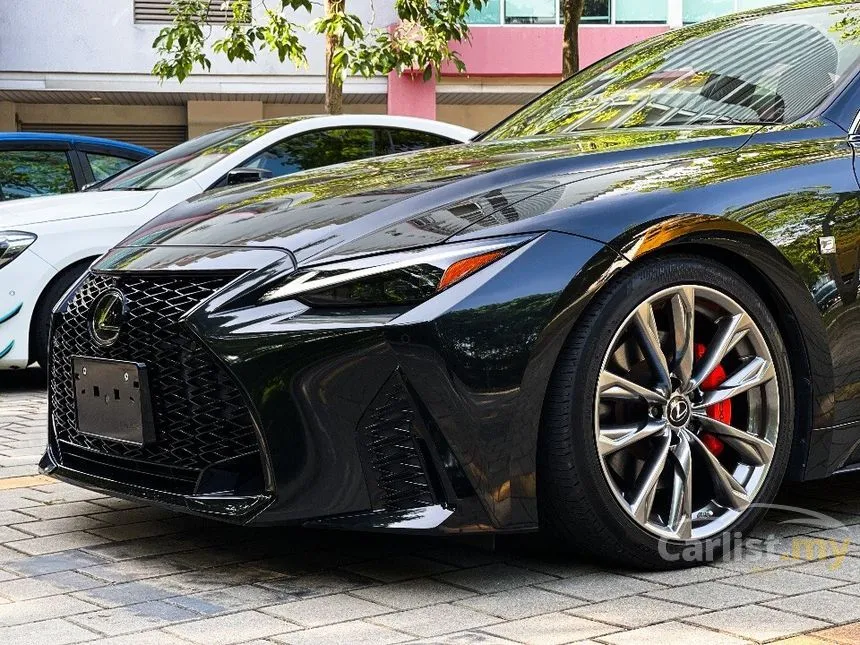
{"x":842,"y":568}
{"x":823,"y":605}
{"x":600,"y":586}
{"x":403,"y":567}
{"x":59,"y":525}
{"x":322,"y":584}
{"x":356,"y":632}
{"x":26,"y":611}
{"x":635,"y":611}
{"x":230,"y":599}
{"x":550,"y":629}
{"x":520,"y":603}
{"x":473,"y":637}
{"x":412,"y":594}
{"x":153,"y":637}
{"x":133,"y":618}
{"x":672,"y":633}
{"x":316,"y":612}
{"x":233,"y":628}
{"x":43,"y":564}
{"x":784,"y":582}
{"x":845,"y":635}
{"x":712,"y":595}
{"x":494,"y":577}
{"x":55,"y":632}
{"x":680,"y":577}
{"x":53,"y":511}
{"x":56,"y":543}
{"x":126,"y":593}
{"x":435,"y":620}
{"x":47,"y":585}
{"x":757,"y":622}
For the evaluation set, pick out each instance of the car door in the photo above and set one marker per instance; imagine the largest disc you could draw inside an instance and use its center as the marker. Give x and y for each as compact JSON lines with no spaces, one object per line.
{"x":33,"y":169}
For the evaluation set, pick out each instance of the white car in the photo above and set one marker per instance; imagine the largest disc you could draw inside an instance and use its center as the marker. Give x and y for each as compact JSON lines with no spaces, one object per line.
{"x":47,"y":243}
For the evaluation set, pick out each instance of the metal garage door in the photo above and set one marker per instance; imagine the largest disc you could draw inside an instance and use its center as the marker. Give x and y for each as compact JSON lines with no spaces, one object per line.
{"x":157,"y":137}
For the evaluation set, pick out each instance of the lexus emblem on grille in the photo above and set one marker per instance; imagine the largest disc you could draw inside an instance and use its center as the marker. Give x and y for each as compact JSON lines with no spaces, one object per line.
{"x":106,"y":319}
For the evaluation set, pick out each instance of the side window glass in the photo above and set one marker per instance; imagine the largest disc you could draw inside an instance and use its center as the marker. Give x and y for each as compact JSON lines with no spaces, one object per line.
{"x":30,"y":173}
{"x":316,"y":149}
{"x":408,"y":140}
{"x":105,"y":166}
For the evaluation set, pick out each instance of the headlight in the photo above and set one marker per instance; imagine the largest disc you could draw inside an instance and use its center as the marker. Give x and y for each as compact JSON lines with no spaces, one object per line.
{"x":12,"y":244}
{"x":395,"y":279}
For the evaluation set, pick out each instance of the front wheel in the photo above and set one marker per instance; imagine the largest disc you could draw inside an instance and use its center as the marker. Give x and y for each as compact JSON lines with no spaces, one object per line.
{"x":669,"y":418}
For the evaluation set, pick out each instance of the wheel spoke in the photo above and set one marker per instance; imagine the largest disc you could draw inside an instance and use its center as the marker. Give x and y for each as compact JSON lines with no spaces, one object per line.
{"x":613,"y":386}
{"x":683,"y":310}
{"x":681,"y":509}
{"x":729,"y":490}
{"x":730,"y":331}
{"x":752,"y":373}
{"x":616,"y":438}
{"x":751,"y":449}
{"x":647,"y":326}
{"x":646,"y":485}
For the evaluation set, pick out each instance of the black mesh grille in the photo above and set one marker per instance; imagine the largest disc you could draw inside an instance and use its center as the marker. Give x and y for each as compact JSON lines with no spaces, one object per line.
{"x":390,"y":443}
{"x":199,"y":414}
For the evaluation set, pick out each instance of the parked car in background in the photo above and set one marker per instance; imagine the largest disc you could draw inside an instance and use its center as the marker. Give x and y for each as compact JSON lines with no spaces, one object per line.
{"x":33,"y":164}
{"x":54,"y":239}
{"x":600,"y":318}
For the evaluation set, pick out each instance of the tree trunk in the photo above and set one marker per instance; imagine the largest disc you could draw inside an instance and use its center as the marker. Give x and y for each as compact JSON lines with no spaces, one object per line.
{"x":333,"y":81}
{"x":571,"y":13}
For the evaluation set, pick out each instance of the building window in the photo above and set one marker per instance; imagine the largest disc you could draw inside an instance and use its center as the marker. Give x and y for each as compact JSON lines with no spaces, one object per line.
{"x":698,"y":10}
{"x":156,"y":11}
{"x":637,"y":11}
{"x":596,"y":12}
{"x":548,"y":12}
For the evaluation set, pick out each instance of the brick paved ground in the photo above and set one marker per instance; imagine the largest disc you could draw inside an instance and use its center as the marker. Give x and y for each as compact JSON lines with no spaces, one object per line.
{"x":79,"y":567}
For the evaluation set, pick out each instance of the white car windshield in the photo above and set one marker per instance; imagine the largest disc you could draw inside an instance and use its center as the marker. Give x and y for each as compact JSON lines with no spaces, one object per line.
{"x":187,"y":159}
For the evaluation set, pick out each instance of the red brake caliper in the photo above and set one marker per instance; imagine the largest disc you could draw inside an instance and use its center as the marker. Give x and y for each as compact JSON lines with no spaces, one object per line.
{"x":721,"y":411}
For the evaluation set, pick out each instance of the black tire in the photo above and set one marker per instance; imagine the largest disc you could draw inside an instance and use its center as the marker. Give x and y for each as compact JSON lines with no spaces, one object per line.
{"x":40,"y":328}
{"x":577,"y":507}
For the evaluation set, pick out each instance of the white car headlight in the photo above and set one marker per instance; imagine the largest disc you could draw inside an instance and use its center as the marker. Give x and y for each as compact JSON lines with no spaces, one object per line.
{"x":13,"y":244}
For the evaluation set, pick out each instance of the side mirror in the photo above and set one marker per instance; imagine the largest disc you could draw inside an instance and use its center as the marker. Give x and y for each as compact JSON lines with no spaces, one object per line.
{"x":239,"y":176}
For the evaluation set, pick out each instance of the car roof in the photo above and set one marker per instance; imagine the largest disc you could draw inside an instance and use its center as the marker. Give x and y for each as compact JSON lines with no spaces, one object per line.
{"x":72,"y":139}
{"x":365,"y":120}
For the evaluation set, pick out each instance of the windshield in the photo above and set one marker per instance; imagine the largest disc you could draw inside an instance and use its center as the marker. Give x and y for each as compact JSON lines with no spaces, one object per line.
{"x":187,"y":159}
{"x":770,"y":68}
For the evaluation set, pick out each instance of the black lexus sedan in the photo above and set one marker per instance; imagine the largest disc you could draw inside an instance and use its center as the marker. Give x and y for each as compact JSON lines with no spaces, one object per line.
{"x":625,"y":315}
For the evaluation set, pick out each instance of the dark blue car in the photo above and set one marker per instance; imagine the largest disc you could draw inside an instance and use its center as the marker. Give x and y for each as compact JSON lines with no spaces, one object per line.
{"x":33,"y":164}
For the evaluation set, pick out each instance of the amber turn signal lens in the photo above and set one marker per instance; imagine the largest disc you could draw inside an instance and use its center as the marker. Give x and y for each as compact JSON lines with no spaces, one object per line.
{"x":464,"y":268}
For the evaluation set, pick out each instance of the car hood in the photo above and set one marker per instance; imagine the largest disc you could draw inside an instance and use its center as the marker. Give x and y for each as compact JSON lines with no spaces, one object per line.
{"x":19,"y":213}
{"x":415,"y":199}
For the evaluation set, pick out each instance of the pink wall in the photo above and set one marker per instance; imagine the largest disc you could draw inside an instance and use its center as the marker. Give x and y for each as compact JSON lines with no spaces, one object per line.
{"x":513,"y":51}
{"x":409,"y":95}
{"x":536,"y":51}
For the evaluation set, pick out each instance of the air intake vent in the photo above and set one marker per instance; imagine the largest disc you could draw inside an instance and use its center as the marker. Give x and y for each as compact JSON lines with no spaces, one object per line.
{"x":156,"y":12}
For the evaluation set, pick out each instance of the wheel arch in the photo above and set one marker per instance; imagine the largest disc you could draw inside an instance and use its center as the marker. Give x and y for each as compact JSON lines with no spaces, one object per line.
{"x":76,"y":265}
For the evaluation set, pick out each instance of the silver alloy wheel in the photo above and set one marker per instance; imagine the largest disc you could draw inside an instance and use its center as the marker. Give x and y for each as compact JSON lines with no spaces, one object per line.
{"x":655,"y":424}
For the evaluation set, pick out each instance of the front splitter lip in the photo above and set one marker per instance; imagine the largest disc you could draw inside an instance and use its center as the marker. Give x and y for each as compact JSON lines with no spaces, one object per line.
{"x":237,"y":509}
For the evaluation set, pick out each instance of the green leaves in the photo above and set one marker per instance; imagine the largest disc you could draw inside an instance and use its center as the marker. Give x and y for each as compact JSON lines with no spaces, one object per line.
{"x":421,"y":42}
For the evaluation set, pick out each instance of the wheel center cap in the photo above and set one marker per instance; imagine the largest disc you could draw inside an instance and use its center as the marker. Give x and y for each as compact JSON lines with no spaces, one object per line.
{"x":678,"y":410}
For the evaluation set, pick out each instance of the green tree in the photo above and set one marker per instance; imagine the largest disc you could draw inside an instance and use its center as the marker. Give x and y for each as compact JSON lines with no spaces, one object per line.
{"x":571,"y":14}
{"x":422,"y":41}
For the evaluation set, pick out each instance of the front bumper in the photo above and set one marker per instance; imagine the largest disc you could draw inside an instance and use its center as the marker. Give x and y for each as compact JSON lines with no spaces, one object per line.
{"x":424,"y":420}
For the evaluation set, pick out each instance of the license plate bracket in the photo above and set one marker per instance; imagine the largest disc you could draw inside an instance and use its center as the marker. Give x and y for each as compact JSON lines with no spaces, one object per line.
{"x":112,"y":400}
